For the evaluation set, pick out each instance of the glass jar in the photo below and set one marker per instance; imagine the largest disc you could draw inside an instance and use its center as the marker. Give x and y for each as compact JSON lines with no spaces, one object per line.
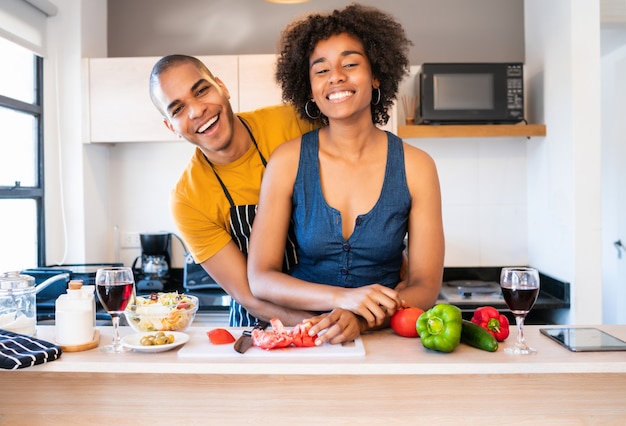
{"x":18,"y":304}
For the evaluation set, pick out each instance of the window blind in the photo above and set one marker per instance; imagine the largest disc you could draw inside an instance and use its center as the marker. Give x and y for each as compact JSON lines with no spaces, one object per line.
{"x":24,"y":22}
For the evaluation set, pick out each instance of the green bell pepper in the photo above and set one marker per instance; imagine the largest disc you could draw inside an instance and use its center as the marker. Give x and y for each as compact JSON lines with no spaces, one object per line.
{"x":440,"y":327}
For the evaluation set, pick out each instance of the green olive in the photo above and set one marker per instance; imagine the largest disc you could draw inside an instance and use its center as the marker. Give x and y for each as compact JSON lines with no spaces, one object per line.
{"x":160,"y":338}
{"x":147,"y":340}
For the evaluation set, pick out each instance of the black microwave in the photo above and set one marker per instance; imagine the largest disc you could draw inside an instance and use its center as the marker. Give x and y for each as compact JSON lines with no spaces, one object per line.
{"x":461,"y":93}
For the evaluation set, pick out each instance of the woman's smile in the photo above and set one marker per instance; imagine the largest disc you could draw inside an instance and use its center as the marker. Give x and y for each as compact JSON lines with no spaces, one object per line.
{"x":340,"y":96}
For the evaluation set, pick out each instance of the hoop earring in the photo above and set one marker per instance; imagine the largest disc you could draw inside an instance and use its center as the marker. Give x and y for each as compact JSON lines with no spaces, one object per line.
{"x":378,"y":98}
{"x":306,"y":110}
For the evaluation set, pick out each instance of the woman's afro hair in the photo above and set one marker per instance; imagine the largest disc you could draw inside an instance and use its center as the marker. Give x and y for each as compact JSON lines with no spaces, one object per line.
{"x":384,"y":40}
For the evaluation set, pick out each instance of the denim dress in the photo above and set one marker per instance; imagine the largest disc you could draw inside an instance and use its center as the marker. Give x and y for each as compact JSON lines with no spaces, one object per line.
{"x":373,"y":253}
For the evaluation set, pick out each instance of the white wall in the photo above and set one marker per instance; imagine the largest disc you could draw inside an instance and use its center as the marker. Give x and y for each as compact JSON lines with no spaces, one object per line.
{"x":63,"y":151}
{"x":141,"y":177}
{"x":564,"y":187}
{"x":75,"y":187}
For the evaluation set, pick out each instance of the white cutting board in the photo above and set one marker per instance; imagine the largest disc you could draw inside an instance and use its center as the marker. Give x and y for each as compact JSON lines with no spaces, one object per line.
{"x":202,"y":348}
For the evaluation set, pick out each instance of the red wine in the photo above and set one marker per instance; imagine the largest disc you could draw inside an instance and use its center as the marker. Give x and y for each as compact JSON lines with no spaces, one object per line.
{"x":115,"y":296}
{"x":520,"y":300}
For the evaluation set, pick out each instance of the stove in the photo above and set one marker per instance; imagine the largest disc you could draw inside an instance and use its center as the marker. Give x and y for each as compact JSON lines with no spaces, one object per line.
{"x":46,"y":299}
{"x":473,"y":287}
{"x":471,"y":292}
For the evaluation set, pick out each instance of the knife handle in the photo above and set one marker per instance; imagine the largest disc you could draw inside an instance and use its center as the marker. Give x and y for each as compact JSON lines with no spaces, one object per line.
{"x":259,"y":325}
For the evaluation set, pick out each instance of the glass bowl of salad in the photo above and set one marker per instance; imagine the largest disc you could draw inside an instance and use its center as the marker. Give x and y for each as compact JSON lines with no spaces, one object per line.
{"x":162,"y":312}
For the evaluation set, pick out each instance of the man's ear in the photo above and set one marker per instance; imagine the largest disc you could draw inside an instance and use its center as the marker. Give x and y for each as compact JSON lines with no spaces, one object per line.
{"x":223,"y":87}
{"x":169,"y":126}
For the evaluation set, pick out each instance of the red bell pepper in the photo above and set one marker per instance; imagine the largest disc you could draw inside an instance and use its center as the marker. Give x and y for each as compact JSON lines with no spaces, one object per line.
{"x":493,"y":321}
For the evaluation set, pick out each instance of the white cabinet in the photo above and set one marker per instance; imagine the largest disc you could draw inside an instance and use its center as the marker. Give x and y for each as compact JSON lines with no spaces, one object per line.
{"x":119,"y":106}
{"x":257,"y":87}
{"x":120,"y":109}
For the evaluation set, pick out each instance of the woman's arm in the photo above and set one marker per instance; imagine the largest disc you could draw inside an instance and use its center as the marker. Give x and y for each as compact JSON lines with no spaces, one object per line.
{"x":426,"y":245}
{"x":269,"y":233}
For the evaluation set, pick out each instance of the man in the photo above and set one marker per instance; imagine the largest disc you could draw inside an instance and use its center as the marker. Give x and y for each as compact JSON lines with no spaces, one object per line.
{"x":214,"y":201}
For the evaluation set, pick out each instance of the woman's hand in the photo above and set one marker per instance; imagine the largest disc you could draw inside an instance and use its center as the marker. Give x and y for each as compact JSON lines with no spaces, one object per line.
{"x":375,"y":303}
{"x":337,"y":326}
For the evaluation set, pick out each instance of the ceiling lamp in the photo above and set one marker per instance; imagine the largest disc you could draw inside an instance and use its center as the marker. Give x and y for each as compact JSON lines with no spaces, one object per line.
{"x":287,"y":1}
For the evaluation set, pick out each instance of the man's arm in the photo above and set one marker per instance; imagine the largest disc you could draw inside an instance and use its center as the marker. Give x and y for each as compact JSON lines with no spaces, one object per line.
{"x":228,"y":268}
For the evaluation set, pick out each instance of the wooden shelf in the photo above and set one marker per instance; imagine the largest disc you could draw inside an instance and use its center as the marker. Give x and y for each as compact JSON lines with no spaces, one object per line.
{"x":471,"y":130}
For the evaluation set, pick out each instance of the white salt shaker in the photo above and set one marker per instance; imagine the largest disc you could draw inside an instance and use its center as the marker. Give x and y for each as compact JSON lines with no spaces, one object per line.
{"x":75,"y":315}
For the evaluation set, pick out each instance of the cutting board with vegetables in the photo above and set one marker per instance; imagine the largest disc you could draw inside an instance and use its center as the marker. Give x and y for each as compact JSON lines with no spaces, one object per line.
{"x":200,"y":347}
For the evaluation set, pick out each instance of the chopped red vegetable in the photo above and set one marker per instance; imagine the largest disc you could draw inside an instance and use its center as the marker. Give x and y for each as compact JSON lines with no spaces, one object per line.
{"x":220,"y":336}
{"x":275,"y":338}
{"x":300,"y":335}
{"x":279,"y":337}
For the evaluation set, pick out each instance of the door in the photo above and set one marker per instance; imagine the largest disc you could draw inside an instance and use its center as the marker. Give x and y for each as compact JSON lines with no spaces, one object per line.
{"x":613,"y":187}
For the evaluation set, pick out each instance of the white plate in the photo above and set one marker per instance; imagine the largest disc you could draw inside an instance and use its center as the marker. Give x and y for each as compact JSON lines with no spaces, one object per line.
{"x":133,"y":342}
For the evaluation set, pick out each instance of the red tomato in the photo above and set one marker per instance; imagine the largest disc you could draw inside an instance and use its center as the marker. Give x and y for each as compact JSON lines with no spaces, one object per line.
{"x":220,"y":336}
{"x":404,"y":319}
{"x":300,"y":335}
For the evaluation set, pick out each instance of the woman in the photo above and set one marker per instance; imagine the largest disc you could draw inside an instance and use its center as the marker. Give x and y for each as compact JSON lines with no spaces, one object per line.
{"x":351,"y":190}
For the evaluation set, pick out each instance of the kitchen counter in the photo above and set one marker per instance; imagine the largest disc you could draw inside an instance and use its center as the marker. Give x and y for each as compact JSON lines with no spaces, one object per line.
{"x":395,"y":382}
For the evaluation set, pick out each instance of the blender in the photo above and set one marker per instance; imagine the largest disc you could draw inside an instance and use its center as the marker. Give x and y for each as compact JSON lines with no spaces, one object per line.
{"x":155,"y":262}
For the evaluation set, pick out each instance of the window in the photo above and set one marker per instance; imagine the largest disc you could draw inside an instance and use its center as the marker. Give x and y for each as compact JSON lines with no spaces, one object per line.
{"x":21,"y":159}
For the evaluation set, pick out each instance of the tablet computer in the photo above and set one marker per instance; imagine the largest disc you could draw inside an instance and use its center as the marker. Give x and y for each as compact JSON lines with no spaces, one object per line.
{"x":584,"y":339}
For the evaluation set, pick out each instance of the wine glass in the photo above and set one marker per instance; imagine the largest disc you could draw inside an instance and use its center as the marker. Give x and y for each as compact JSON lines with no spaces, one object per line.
{"x":115,"y":287}
{"x":520,"y":287}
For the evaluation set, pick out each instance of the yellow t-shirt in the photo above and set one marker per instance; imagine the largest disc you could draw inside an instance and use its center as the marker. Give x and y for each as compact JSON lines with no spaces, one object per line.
{"x":198,"y":203}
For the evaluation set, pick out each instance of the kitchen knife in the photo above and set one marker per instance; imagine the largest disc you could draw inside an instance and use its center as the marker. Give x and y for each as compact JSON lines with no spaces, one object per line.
{"x":245,"y":340}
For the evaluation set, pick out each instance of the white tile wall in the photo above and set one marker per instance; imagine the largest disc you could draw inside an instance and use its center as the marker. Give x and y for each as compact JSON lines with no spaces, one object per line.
{"x":483,"y":187}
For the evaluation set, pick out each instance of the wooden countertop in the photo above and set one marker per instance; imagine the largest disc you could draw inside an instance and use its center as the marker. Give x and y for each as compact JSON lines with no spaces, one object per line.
{"x":386,"y":353}
{"x":396,"y":382}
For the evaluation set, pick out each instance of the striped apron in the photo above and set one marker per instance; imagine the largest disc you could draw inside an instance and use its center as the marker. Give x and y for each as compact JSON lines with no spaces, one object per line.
{"x":241,"y":218}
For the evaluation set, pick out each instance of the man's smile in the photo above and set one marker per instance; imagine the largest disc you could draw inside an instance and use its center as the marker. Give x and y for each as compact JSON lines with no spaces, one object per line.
{"x":208,"y":124}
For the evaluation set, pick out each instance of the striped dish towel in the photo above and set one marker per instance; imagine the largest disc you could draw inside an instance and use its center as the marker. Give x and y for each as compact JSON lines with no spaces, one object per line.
{"x":20,"y":351}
